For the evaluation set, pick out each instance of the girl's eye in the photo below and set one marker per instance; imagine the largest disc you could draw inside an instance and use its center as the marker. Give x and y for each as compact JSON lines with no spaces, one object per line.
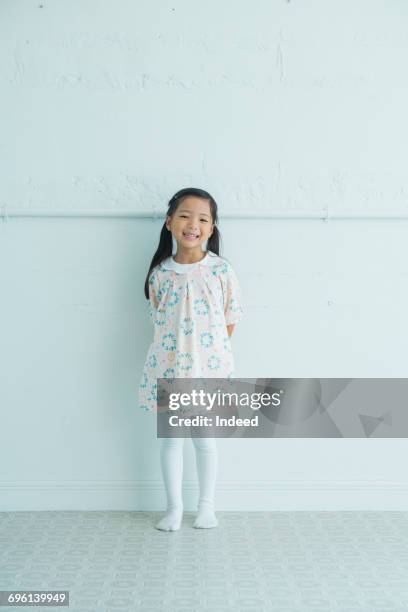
{"x":185,"y":217}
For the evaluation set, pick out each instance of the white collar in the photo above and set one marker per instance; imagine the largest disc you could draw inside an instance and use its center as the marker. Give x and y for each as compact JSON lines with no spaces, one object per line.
{"x":210,"y":259}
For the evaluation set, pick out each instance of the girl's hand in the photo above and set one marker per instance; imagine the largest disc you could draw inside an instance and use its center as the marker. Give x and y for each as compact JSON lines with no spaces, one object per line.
{"x":230,"y":329}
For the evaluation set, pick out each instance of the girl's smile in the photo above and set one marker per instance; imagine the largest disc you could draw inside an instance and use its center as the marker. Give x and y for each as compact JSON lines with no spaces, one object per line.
{"x":190,"y":235}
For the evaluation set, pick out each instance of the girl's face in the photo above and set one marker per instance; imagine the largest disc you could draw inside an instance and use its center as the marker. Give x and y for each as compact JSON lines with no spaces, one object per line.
{"x":191,"y":224}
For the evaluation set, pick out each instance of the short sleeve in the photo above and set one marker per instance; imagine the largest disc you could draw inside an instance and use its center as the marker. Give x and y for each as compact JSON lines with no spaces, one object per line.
{"x":154,"y":290}
{"x":233,"y":308}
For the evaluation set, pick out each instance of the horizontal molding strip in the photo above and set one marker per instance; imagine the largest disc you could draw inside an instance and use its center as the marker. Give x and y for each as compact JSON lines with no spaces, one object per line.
{"x":191,"y":485}
{"x":259,"y":496}
{"x":324,"y":214}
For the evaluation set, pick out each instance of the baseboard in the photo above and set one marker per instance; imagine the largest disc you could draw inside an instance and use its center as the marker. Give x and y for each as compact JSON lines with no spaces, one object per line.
{"x":264,"y":496}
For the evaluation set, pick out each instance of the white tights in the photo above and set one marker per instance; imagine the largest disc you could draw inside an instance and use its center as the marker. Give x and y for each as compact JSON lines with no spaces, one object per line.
{"x":171,"y":459}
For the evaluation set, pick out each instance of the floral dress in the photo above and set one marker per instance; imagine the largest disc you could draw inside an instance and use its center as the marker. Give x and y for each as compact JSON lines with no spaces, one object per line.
{"x":190,"y":306}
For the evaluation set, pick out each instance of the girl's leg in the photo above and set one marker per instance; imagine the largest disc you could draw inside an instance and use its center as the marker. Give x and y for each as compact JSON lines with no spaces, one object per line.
{"x":206,"y":460}
{"x":171,"y":459}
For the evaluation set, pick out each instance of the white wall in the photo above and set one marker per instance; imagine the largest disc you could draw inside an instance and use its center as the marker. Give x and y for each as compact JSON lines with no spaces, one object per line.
{"x":286,"y":106}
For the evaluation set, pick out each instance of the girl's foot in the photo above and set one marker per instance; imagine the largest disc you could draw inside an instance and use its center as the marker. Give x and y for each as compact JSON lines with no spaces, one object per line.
{"x":172,"y":520}
{"x":206,"y":517}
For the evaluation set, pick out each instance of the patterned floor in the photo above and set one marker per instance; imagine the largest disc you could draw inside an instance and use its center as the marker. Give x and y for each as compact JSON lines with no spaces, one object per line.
{"x":253,"y":561}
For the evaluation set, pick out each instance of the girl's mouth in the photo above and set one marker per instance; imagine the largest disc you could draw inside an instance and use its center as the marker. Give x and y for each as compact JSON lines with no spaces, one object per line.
{"x":189,"y":236}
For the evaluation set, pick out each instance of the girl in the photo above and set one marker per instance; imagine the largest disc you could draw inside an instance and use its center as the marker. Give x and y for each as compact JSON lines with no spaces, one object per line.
{"x":194,"y":302}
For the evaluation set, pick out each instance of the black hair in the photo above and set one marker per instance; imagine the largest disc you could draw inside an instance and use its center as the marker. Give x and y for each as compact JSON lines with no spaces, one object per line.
{"x":165,"y":247}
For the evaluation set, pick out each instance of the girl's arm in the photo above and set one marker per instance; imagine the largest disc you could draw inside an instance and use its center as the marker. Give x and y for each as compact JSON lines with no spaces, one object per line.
{"x":232,"y":299}
{"x":230,"y":329}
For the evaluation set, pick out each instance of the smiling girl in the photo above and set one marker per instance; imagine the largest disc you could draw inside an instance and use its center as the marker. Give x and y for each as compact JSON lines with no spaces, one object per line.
{"x":194,"y":302}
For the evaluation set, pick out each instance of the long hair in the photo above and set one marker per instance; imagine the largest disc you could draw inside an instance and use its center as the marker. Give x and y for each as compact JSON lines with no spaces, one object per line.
{"x":165,"y":248}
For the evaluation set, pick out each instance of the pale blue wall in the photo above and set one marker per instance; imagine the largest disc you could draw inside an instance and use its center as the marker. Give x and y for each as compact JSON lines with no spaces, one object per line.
{"x":113,"y":107}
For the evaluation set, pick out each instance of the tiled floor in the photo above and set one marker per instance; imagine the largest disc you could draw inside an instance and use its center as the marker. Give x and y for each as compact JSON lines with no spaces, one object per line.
{"x":253,"y":561}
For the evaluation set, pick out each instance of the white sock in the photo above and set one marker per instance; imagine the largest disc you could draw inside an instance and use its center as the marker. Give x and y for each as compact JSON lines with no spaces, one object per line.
{"x":171,"y":520}
{"x":171,"y":459}
{"x":206,"y":517}
{"x":206,"y":461}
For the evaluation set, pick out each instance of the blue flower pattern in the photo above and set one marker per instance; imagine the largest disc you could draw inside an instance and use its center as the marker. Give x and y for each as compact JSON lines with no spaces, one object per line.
{"x":201,"y":306}
{"x":169,"y":374}
{"x":174,"y":298}
{"x":169,"y":342}
{"x":206,"y":339}
{"x":187,"y":325}
{"x":214,"y":362}
{"x":184,"y":361}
